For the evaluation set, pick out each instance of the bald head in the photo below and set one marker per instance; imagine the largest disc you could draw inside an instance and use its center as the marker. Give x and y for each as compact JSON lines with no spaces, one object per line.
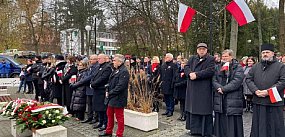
{"x":93,"y":59}
{"x":101,"y":58}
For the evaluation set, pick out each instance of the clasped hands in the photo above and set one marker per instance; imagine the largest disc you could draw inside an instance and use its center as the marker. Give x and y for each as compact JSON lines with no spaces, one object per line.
{"x":192,"y":75}
{"x":261,"y":93}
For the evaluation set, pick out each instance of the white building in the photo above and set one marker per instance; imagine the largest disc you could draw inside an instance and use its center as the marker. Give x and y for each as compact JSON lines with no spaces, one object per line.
{"x":71,"y":43}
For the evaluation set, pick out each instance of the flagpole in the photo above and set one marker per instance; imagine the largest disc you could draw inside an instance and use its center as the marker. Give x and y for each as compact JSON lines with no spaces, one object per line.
{"x":211,"y":27}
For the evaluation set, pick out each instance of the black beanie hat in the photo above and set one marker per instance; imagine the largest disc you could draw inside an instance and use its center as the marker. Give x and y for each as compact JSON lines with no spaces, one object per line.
{"x":267,"y":47}
{"x":59,"y":57}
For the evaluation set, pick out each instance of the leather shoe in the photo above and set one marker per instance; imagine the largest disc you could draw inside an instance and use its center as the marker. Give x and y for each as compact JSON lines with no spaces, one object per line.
{"x":97,"y":126}
{"x":86,"y":121}
{"x":165,"y":113}
{"x":93,"y":121}
{"x":169,"y":114}
{"x":104,"y":134}
{"x":102,"y":128}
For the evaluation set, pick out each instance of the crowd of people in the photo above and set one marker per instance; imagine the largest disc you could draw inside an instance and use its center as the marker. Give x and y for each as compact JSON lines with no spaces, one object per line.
{"x":207,"y":87}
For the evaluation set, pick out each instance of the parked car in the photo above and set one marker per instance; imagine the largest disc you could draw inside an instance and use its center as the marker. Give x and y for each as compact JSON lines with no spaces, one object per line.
{"x":15,"y":67}
{"x":18,"y":54}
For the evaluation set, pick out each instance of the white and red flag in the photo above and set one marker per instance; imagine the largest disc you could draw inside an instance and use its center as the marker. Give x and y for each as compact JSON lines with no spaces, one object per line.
{"x":274,"y":95}
{"x":240,"y":11}
{"x":226,"y":66}
{"x":59,"y":73}
{"x":72,"y":79}
{"x":185,"y":16}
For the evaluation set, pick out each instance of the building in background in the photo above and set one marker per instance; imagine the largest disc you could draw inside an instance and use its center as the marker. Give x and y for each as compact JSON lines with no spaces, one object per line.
{"x":105,"y":42}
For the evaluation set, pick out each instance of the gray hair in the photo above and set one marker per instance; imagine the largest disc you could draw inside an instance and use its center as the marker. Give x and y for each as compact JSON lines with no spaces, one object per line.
{"x":229,"y":51}
{"x":169,"y":55}
{"x":121,"y":58}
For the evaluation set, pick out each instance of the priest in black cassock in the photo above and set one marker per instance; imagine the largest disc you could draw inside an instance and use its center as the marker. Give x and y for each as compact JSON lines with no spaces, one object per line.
{"x":228,"y":97}
{"x":199,"y":96}
{"x":266,"y":80}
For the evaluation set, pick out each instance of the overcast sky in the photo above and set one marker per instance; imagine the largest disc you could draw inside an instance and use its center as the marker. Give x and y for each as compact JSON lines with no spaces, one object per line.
{"x":272,"y":3}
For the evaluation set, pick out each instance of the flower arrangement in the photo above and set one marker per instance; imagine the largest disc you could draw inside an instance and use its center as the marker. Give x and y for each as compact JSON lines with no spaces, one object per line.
{"x":30,"y":114}
{"x":12,"y":108}
{"x":41,"y":116}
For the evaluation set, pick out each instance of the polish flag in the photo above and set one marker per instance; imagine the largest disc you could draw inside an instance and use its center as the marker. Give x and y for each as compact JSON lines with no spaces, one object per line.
{"x":59,"y":73}
{"x":226,"y":66}
{"x":72,"y":79}
{"x":241,"y":12}
{"x":274,"y":95}
{"x":185,"y":16}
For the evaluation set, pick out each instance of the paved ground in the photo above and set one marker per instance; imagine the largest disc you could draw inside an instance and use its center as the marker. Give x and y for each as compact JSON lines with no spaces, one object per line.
{"x":168,"y":127}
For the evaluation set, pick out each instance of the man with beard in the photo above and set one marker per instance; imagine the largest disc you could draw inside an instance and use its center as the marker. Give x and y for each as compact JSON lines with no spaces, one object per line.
{"x":199,"y":95}
{"x":266,"y":80}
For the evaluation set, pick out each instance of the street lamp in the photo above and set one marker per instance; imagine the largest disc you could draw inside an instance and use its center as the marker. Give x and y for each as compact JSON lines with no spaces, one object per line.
{"x":273,"y":38}
{"x":249,"y":41}
{"x":88,"y":28}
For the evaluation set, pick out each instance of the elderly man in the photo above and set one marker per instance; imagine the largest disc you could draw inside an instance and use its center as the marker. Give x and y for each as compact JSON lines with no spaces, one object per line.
{"x":199,"y":95}
{"x":266,"y":80}
{"x":116,"y":97}
{"x":98,"y":82}
{"x":167,"y":77}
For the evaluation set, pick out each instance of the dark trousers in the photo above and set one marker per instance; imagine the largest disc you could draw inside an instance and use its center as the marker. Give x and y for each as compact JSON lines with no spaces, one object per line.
{"x":79,"y":114}
{"x":59,"y":101}
{"x":102,"y":117}
{"x":119,"y":113}
{"x":30,"y":86}
{"x":169,"y":102}
{"x":89,"y":104}
{"x":182,"y":106}
{"x":41,"y":92}
{"x":37,"y":91}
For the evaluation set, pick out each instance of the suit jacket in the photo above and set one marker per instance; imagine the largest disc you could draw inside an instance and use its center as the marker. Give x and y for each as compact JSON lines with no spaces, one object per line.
{"x":100,"y":79}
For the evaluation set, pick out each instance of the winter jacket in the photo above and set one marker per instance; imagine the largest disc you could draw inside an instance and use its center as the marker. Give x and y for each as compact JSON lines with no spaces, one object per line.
{"x":78,"y":100}
{"x":231,"y":101}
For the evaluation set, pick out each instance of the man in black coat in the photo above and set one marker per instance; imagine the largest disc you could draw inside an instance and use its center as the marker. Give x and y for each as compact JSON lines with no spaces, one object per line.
{"x":98,"y":82}
{"x":117,"y":96}
{"x":167,"y":77}
{"x":266,"y":80}
{"x":199,"y":95}
{"x":93,"y":60}
{"x":37,"y":81}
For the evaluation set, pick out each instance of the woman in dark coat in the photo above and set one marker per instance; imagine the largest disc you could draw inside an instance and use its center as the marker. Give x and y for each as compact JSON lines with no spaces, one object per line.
{"x":47,"y":77}
{"x":70,"y":71}
{"x":247,"y":93}
{"x":78,"y":100}
{"x":228,"y":97}
{"x":180,"y":85}
{"x":59,"y":67}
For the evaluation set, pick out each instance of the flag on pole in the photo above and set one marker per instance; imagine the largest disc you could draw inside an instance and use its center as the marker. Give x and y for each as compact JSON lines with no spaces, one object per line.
{"x":185,"y":16}
{"x":274,"y":95}
{"x":240,"y":11}
{"x":225,"y":67}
